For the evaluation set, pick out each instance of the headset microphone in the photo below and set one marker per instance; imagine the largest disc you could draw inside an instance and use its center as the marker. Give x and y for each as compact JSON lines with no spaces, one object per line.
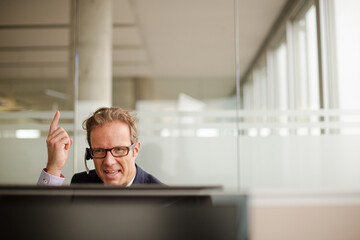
{"x":87,"y":157}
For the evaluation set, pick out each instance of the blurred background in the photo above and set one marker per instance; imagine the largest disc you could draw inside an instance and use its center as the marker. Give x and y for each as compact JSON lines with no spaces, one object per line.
{"x":246,"y":94}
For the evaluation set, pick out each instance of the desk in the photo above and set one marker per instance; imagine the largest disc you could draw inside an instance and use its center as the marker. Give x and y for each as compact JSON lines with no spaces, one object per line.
{"x":142,"y":212}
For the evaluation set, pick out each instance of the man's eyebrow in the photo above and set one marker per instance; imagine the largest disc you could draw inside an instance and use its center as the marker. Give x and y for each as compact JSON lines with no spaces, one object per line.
{"x":96,"y":147}
{"x":123,"y":146}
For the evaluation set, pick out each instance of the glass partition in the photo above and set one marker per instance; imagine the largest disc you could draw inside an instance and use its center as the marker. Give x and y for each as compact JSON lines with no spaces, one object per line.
{"x":175,"y":64}
{"x":36,"y":79}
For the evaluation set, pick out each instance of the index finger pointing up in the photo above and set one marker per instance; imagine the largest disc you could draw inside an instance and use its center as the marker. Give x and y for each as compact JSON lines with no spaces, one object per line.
{"x":55,"y":122}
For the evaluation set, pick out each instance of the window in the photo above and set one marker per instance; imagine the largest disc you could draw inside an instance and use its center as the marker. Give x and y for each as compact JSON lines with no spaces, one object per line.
{"x":346,"y":18}
{"x":306,"y":71}
{"x":279,"y":75}
{"x":306,"y":67}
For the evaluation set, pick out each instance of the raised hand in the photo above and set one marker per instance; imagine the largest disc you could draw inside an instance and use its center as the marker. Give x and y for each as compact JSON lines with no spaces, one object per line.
{"x":58,"y":146}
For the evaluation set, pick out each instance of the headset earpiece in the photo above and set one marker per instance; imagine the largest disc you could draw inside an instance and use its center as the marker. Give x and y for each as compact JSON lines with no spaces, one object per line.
{"x":87,"y":154}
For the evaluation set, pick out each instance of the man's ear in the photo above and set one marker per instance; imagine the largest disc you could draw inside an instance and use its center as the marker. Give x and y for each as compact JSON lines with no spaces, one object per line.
{"x":136,"y":149}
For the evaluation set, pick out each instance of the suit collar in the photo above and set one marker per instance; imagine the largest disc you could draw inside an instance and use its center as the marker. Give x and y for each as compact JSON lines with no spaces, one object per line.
{"x":139,"y":176}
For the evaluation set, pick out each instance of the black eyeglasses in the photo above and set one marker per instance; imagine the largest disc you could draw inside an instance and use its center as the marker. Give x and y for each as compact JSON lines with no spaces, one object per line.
{"x":119,"y":151}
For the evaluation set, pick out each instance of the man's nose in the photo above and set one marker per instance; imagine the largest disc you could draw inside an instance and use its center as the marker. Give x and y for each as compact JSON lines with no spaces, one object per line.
{"x":109,"y":158}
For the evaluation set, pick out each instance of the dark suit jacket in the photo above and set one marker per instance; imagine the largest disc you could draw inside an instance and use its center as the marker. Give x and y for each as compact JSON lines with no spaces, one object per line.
{"x":141,"y":177}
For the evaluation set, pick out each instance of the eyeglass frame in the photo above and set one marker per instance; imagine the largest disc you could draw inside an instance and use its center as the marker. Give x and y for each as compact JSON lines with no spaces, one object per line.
{"x":131,"y":147}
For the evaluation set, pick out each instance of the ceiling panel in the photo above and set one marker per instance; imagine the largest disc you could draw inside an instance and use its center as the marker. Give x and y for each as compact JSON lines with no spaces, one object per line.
{"x":123,"y":12}
{"x":21,"y":56}
{"x":35,"y":72}
{"x":256,"y":17}
{"x":30,"y":12}
{"x":127,"y":36}
{"x":130,"y":55}
{"x":36,"y":37}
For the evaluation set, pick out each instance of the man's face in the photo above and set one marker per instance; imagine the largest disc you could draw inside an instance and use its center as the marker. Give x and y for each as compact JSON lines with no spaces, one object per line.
{"x":114,"y":170}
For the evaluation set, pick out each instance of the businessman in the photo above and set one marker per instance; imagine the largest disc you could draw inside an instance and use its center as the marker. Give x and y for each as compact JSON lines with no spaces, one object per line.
{"x":113,"y":140}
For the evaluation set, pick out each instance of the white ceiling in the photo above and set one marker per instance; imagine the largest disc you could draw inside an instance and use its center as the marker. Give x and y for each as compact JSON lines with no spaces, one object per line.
{"x":190,"y":37}
{"x":256,"y":17}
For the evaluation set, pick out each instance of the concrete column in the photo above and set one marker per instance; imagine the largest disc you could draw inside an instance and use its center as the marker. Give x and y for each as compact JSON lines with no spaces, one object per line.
{"x":95,"y":52}
{"x":95,"y":67}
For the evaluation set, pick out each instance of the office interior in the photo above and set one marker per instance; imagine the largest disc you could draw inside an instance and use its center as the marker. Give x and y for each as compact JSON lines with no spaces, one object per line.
{"x":259,"y":97}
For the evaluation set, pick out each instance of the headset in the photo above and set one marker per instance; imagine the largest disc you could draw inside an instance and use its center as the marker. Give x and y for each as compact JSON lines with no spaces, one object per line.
{"x":87,"y":157}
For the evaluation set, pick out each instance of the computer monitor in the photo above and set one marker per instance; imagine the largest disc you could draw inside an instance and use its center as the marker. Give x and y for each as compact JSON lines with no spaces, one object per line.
{"x":141,"y":212}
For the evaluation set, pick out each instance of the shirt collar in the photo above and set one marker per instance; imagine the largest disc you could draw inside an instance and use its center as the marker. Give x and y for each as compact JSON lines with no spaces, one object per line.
{"x":131,"y":182}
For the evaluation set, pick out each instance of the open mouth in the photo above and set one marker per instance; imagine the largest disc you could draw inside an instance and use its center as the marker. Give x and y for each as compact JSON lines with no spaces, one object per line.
{"x":111,"y":172}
